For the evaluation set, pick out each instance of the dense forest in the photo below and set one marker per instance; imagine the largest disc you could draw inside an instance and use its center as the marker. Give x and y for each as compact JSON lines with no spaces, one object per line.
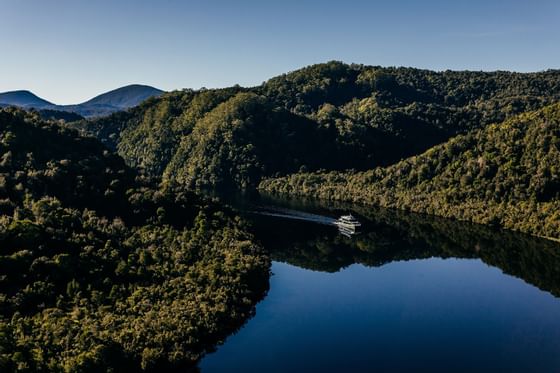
{"x":506,"y":175}
{"x":102,"y":271}
{"x":330,"y":116}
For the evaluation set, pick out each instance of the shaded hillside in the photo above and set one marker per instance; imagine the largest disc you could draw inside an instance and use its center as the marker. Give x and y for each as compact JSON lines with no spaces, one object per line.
{"x":246,"y":138}
{"x":64,"y":116}
{"x":101,"y":271}
{"x":125,"y":97}
{"x":150,"y":138}
{"x":507,"y":174}
{"x":40,"y":158}
{"x":149,"y":134}
{"x":24,"y":99}
{"x":374,"y":116}
{"x":113,"y":101}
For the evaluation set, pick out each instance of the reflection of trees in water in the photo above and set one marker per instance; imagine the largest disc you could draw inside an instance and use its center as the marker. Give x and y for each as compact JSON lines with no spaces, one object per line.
{"x":394,"y":235}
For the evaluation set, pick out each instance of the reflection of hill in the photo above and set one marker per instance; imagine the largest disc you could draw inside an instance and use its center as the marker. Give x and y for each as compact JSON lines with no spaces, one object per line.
{"x":392,"y":236}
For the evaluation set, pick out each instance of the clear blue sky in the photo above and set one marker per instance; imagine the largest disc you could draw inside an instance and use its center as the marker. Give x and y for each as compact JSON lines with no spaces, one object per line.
{"x":67,"y":51}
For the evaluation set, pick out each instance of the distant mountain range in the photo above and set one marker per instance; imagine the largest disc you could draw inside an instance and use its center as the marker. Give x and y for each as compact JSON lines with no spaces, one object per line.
{"x":104,"y":104}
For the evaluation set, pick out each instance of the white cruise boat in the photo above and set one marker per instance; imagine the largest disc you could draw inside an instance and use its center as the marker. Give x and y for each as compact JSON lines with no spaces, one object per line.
{"x":348,"y":222}
{"x":347,"y":232}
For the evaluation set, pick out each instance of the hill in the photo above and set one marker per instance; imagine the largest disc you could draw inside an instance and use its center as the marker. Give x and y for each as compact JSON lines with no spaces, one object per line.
{"x":246,"y":138}
{"x":506,"y":175}
{"x":24,"y":99}
{"x":99,"y":270}
{"x":117,"y":100}
{"x":362,"y":117}
{"x":125,"y":97}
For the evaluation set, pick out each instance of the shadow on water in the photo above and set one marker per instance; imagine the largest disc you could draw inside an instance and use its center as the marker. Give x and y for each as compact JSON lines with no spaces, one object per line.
{"x":300,"y":232}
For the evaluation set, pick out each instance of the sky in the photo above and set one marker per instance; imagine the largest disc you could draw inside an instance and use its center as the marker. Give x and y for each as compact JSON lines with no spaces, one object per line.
{"x":67,"y":51}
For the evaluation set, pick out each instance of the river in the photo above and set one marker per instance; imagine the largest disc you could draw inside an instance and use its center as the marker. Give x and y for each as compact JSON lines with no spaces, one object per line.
{"x":409,"y":293}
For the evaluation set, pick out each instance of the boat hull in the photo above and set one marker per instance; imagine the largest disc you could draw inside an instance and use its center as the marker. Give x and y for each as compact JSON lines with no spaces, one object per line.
{"x":349,"y":226}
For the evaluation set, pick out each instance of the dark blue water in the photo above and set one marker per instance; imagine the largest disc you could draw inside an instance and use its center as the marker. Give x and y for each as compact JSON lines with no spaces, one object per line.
{"x":406,"y":295}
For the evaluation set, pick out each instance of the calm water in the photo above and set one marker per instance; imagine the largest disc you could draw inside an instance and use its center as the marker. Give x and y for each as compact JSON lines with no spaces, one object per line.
{"x":408,"y":294}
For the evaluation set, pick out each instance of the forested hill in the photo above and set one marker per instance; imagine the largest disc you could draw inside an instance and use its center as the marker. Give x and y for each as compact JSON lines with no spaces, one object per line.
{"x":100,"y":271}
{"x":507,"y":174}
{"x":360,"y":116}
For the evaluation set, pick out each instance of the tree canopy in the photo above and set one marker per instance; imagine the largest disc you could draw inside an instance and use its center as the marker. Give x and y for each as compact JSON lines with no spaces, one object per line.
{"x":100,"y":270}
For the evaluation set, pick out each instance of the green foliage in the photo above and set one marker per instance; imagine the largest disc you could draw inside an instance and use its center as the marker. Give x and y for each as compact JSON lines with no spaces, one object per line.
{"x":506,"y":174}
{"x":39,"y":158}
{"x":151,"y":143}
{"x":360,"y":117}
{"x":241,"y":140}
{"x":100,"y":271}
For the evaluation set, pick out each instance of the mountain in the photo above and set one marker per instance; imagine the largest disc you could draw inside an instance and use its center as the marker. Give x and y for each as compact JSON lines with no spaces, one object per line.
{"x":24,"y":99}
{"x":124,"y":97}
{"x":351,"y":117}
{"x":507,"y":174}
{"x":117,"y":100}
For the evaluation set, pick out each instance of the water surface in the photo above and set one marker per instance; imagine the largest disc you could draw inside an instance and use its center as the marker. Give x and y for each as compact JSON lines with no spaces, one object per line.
{"x":408,"y":294}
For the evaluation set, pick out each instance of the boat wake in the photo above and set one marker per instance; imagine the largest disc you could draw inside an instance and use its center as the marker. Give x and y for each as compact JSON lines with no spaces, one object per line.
{"x":346,"y":224}
{"x":296,"y":215}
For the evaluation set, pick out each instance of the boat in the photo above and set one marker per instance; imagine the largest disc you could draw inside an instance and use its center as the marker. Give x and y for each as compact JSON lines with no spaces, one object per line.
{"x":348,"y":222}
{"x":347,"y":232}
